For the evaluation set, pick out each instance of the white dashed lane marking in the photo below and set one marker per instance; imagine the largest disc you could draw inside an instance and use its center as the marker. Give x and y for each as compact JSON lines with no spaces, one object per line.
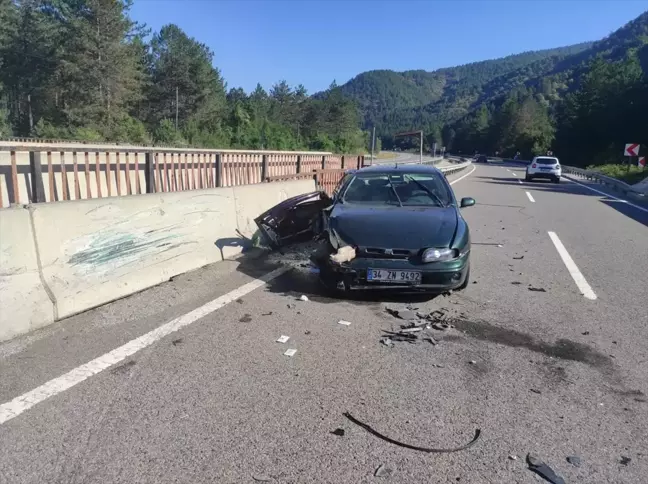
{"x":579,"y":279}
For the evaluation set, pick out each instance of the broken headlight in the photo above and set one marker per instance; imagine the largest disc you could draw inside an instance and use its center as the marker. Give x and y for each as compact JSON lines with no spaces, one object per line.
{"x":439,"y":255}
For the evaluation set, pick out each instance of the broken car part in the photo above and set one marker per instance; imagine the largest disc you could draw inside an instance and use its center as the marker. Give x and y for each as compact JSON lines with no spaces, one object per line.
{"x":543,"y":470}
{"x":292,"y":218}
{"x":409,"y":446}
{"x":383,"y":471}
{"x":344,"y":254}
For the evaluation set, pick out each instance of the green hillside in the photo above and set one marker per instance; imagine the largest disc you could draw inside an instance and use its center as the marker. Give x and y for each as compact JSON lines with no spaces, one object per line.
{"x":525,"y":102}
{"x":399,"y":100}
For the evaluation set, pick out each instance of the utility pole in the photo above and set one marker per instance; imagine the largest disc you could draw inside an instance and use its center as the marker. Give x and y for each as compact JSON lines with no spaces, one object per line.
{"x":373,"y":144}
{"x":176,"y":108}
{"x":421,"y":151}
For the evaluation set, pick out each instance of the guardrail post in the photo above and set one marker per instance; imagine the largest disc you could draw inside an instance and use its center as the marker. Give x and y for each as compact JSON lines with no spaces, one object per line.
{"x":264,"y":168}
{"x":299,"y":164}
{"x":324,"y":162}
{"x":37,"y":187}
{"x":343,"y":161}
{"x":149,"y":172}
{"x":219,"y":170}
{"x":360,"y":162}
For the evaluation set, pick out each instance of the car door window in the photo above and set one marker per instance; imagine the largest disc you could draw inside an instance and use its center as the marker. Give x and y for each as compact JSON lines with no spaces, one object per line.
{"x":341,"y":185}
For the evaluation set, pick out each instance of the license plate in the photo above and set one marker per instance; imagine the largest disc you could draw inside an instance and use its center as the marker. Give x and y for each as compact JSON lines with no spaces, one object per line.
{"x":546,"y":169}
{"x":392,"y":276}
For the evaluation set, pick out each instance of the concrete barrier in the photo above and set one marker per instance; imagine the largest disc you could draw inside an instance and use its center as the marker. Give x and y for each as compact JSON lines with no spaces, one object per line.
{"x":24,"y":303}
{"x":102,"y":250}
{"x":95,"y":251}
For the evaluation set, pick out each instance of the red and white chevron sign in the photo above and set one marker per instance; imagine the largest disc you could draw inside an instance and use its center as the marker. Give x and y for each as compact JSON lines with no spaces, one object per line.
{"x":642,"y":162}
{"x":631,"y":149}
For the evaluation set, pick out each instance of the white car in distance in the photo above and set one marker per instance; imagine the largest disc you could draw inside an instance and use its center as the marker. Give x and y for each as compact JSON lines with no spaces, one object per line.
{"x":547,"y":167}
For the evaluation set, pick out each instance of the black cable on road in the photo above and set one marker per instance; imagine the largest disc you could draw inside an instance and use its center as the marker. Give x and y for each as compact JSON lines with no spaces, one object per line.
{"x":409,"y":446}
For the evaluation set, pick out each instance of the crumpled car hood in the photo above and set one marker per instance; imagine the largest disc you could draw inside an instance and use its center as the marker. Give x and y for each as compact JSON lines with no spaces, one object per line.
{"x":398,"y":227}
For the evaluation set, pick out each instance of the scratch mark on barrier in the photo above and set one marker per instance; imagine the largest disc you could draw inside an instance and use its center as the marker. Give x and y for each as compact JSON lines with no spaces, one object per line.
{"x":107,"y":249}
{"x":98,"y":208}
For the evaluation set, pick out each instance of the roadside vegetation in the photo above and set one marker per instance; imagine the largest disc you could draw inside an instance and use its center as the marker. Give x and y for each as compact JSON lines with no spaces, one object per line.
{"x":630,"y":174}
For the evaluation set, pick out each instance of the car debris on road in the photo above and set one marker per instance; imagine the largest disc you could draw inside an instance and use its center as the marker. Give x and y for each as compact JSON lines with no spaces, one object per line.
{"x":383,"y":471}
{"x":417,"y":324}
{"x":283,"y":339}
{"x":574,"y":460}
{"x":344,"y":323}
{"x":537,"y":289}
{"x":290,"y":352}
{"x":543,"y":470}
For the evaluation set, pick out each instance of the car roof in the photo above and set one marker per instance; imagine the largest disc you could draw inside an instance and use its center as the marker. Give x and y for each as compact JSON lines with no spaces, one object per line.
{"x":397,"y":168}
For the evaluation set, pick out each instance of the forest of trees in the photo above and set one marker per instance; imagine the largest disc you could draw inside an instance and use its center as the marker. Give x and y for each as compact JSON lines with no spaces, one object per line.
{"x":589,"y":126}
{"x":82,"y":69}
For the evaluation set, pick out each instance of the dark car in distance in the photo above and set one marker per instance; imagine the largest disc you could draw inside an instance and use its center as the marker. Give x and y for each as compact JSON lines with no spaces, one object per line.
{"x":394,"y":227}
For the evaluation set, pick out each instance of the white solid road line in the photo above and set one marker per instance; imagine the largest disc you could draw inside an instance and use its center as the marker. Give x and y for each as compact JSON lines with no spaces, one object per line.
{"x":53,"y":387}
{"x":530,"y":197}
{"x":462,"y":177}
{"x":579,"y":279}
{"x":607,"y":194}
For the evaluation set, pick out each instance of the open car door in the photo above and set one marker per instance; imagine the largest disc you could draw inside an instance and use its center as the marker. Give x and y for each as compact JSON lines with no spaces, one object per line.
{"x":293,"y":219}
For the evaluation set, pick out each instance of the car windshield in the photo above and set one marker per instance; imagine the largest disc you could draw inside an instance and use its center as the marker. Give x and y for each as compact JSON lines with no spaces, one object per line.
{"x":400,"y":189}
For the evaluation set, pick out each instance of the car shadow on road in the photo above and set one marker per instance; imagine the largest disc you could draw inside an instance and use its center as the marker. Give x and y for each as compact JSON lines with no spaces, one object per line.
{"x":576,"y":189}
{"x":302,"y":281}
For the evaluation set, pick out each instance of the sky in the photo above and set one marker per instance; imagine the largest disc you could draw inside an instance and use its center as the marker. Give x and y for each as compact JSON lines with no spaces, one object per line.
{"x":313,"y":42}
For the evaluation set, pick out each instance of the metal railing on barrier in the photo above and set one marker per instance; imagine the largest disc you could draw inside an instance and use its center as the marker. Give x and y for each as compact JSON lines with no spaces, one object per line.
{"x":36,"y":174}
{"x":613,"y":183}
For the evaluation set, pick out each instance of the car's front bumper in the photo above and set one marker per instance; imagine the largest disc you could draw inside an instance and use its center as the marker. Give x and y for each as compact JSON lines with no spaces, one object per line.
{"x":435,"y":277}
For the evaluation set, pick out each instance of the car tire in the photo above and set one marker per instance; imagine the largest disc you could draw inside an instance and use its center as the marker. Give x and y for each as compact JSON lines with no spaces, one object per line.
{"x":465,"y":282}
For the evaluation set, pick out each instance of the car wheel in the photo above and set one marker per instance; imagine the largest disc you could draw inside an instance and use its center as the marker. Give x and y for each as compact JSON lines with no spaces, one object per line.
{"x":466,"y":281}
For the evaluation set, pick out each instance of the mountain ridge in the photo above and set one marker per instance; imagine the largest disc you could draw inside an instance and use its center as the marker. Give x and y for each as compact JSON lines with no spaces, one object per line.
{"x":418,"y":99}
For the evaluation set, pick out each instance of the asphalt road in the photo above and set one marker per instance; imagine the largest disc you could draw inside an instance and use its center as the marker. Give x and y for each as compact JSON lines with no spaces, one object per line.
{"x":554,"y":373}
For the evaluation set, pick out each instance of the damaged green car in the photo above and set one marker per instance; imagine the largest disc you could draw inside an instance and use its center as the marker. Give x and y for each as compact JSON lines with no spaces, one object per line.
{"x":386,"y":227}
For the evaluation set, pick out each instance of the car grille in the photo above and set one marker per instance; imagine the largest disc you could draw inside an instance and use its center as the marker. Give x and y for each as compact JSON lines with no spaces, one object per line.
{"x":380,"y":253}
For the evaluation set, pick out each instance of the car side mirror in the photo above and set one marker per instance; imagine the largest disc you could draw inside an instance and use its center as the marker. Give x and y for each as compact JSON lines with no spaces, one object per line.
{"x":467,"y":202}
